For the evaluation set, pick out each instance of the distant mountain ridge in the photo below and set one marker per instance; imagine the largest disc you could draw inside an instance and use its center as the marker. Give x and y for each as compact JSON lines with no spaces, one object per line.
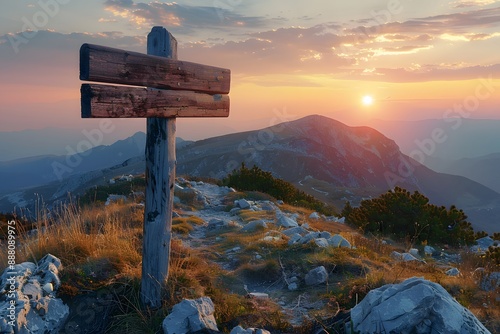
{"x":322,"y":156}
{"x":40,"y":170}
{"x":359,"y":158}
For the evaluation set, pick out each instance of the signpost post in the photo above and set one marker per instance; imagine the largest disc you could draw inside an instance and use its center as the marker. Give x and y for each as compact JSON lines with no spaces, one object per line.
{"x":173,"y":89}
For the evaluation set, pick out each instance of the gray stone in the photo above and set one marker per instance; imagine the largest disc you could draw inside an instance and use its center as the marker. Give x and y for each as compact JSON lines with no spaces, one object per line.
{"x":491,"y":282}
{"x":453,"y":272}
{"x":314,"y":216}
{"x":293,"y":286}
{"x":286,"y":222}
{"x":321,"y":242}
{"x":428,"y":250}
{"x":413,"y":251}
{"x":294,"y":239}
{"x":280,"y":202}
{"x":325,"y":235}
{"x":413,"y":306}
{"x":482,"y":245}
{"x":308,"y":237}
{"x":191,"y":316}
{"x":258,"y":295}
{"x":405,"y":257}
{"x":243,"y":204}
{"x":32,"y":288}
{"x":254,"y":226}
{"x":217,"y":224}
{"x":234,"y":211}
{"x":317,"y":276}
{"x":267,"y":206}
{"x":241,"y":330}
{"x":294,"y":230}
{"x":339,"y":241}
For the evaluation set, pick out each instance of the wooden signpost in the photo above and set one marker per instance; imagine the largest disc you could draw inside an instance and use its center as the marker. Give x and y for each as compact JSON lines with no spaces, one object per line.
{"x":170,"y":89}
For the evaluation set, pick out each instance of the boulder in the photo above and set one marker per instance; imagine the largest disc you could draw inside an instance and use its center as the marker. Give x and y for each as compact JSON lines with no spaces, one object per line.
{"x":453,"y":272}
{"x":30,"y":306}
{"x":241,"y":330}
{"x":428,"y":250}
{"x":321,"y":242}
{"x":286,"y":222}
{"x":308,"y":237}
{"x":314,"y":216}
{"x":482,"y":245}
{"x":243,"y":204}
{"x":217,"y":224}
{"x":413,"y":306}
{"x":317,"y":276}
{"x":254,"y":226}
{"x":413,"y":251}
{"x":294,"y":230}
{"x":491,"y":281}
{"x":405,"y":257}
{"x":294,"y":238}
{"x":191,"y":316}
{"x":339,"y":241}
{"x":325,"y":235}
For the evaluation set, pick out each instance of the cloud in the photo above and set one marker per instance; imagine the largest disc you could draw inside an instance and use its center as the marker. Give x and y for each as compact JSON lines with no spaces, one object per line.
{"x":186,"y":18}
{"x":418,"y":73}
{"x":472,"y":3}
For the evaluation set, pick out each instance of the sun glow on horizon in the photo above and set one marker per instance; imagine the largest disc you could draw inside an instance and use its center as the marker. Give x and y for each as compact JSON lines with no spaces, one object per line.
{"x":367,"y":100}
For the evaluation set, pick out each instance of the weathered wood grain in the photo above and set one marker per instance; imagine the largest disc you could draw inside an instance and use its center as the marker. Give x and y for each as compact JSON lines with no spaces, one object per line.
{"x":104,"y":64}
{"x":160,"y":180}
{"x":103,"y":101}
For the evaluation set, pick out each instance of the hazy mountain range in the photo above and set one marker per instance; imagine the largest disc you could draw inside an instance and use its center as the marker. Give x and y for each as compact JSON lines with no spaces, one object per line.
{"x":321,"y":156}
{"x":466,"y":147}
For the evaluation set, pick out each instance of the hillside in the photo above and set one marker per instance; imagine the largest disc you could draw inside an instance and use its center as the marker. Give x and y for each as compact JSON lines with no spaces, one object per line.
{"x":321,"y":156}
{"x":262,"y":263}
{"x":318,"y":150}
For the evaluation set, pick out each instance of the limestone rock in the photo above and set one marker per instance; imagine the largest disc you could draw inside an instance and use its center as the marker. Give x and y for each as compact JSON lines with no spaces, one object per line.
{"x":191,"y":316}
{"x":299,"y":229}
{"x":405,"y":257}
{"x":241,"y":330}
{"x":286,"y":222}
{"x":453,"y":272}
{"x":321,"y":242}
{"x":243,"y":204}
{"x":413,"y":306}
{"x":314,"y":216}
{"x":339,"y":241}
{"x":428,"y":250}
{"x":30,"y":303}
{"x":254,"y":226}
{"x":491,"y":281}
{"x":317,"y":276}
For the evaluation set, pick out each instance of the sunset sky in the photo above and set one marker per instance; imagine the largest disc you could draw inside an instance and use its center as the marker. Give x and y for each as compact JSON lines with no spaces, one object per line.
{"x":417,"y":59}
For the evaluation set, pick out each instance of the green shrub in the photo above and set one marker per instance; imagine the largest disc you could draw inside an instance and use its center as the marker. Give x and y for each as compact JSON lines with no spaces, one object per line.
{"x":409,"y":216}
{"x":255,"y":179}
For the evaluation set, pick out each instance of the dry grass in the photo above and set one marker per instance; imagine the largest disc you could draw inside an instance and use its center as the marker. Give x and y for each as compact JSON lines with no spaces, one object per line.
{"x":102,"y":245}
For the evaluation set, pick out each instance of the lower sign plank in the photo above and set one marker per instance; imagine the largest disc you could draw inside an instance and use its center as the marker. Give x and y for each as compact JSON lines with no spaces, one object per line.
{"x":102,"y":101}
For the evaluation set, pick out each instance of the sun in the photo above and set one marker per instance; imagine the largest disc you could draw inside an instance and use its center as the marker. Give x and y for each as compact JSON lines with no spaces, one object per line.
{"x":367,"y":100}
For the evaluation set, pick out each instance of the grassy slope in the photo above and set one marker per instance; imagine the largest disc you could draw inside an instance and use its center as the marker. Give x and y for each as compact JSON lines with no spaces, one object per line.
{"x":100,"y":248}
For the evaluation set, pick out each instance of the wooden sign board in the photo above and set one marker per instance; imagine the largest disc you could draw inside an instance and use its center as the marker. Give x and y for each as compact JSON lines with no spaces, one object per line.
{"x":185,"y":89}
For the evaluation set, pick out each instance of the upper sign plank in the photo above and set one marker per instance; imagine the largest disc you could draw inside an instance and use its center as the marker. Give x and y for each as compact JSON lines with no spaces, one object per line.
{"x":103,"y":64}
